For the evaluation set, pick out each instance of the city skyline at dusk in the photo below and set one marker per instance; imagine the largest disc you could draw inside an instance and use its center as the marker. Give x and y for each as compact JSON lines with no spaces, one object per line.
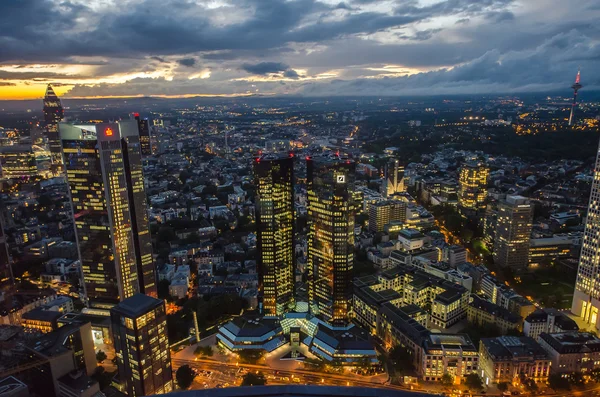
{"x":179,"y":48}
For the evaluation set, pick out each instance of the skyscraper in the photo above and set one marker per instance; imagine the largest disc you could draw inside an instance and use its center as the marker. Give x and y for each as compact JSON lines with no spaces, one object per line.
{"x":394,"y":178}
{"x":513,"y":232}
{"x":586,"y":297}
{"x":576,"y":87}
{"x":104,"y":173}
{"x":473,"y":181}
{"x":139,"y":328}
{"x":274,"y":180}
{"x":5,"y":258}
{"x":144,"y":132}
{"x":53,"y":114}
{"x":331,"y":213}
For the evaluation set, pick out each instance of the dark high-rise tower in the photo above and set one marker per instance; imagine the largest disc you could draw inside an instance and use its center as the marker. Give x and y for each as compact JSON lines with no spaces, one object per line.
{"x":139,"y":328}
{"x":104,"y":173}
{"x":144,"y":131}
{"x":274,"y":180}
{"x":53,"y":114}
{"x":576,"y":87}
{"x":331,"y":212}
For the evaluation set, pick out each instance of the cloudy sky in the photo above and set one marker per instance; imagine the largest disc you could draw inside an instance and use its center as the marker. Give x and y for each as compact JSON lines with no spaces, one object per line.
{"x":93,"y":48}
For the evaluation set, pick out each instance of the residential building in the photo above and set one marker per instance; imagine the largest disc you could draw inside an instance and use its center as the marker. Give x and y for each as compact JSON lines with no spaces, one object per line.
{"x":382,"y":213}
{"x":513,"y":232}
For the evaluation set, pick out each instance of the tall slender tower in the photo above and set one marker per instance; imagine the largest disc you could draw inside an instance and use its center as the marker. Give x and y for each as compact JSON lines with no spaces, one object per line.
{"x":513,"y":232}
{"x":331,"y":213}
{"x":104,"y":173}
{"x":394,"y":181}
{"x":586,"y":297}
{"x":576,"y":87}
{"x":53,"y":114}
{"x":139,"y":329}
{"x":473,"y":179}
{"x":144,"y":130}
{"x":274,"y":179}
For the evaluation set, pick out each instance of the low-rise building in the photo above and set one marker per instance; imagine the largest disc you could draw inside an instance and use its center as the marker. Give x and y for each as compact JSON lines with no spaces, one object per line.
{"x":548,"y":320}
{"x":510,"y":359}
{"x":572,"y":351}
{"x":453,"y":354}
{"x":484,"y":313}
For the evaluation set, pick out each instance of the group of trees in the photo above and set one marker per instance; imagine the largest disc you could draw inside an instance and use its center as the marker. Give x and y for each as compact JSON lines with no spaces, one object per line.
{"x":248,"y":356}
{"x":203,"y":351}
{"x":254,"y":379}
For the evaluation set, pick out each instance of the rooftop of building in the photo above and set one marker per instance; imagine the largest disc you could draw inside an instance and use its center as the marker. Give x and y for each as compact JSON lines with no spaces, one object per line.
{"x":10,"y":385}
{"x":77,"y":381}
{"x":513,"y":347}
{"x":449,"y":342}
{"x":495,"y":310}
{"x":572,"y":342}
{"x":137,"y":305}
{"x":40,"y":314}
{"x":245,"y":326}
{"x":51,"y":344}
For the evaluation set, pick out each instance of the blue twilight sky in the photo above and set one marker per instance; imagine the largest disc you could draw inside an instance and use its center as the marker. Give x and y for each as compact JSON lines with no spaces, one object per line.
{"x":298,"y":47}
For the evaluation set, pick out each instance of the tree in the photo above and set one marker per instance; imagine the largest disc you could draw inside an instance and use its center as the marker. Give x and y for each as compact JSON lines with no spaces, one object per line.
{"x":557,"y":382}
{"x":100,"y":356}
{"x":447,"y":380}
{"x":184,"y":376}
{"x":473,"y":382}
{"x":203,"y":351}
{"x":503,"y":386}
{"x":402,"y":359}
{"x":254,"y":379}
{"x":530,"y":385}
{"x":250,"y":356}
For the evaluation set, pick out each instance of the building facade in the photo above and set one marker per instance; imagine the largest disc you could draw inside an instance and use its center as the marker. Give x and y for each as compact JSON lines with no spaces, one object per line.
{"x":53,"y":114}
{"x":331,"y":212}
{"x":513,"y":232}
{"x":572,"y":351}
{"x":274,"y":180}
{"x":586,"y":297}
{"x":472,"y":180}
{"x":510,"y":359}
{"x":394,"y":178}
{"x":104,"y":173}
{"x":383,"y":213}
{"x":139,"y":327}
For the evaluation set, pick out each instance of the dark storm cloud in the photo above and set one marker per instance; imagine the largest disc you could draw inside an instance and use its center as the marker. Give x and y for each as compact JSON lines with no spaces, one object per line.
{"x":264,"y":68}
{"x":189,"y":62}
{"x":6,"y":84}
{"x":291,"y":74}
{"x":552,"y":65}
{"x":43,"y":29}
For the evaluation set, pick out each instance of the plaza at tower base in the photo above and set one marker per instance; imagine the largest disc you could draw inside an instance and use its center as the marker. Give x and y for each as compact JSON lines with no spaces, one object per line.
{"x":347,"y":345}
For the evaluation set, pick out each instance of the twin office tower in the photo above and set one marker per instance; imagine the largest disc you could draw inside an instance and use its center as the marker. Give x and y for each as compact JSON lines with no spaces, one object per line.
{"x":331,"y":212}
{"x":104,"y":170}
